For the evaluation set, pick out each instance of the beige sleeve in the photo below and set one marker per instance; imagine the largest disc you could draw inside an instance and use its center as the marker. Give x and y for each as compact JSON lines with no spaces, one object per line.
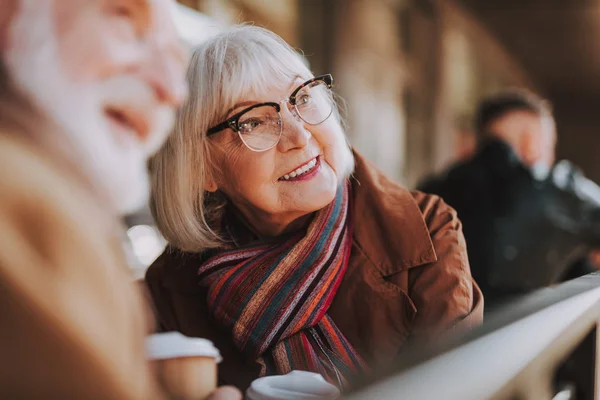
{"x":72,"y":321}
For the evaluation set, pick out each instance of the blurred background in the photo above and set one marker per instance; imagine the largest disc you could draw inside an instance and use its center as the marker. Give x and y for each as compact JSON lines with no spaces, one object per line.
{"x":412,"y":71}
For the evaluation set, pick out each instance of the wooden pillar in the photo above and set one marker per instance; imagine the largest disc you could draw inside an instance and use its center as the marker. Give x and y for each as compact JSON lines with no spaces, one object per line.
{"x":316,"y":32}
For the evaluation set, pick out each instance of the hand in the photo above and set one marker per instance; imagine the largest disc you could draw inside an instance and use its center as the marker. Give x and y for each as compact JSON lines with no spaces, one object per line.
{"x":226,"y":393}
{"x":594,"y":258}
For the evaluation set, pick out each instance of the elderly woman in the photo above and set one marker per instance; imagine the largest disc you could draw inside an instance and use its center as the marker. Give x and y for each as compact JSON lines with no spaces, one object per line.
{"x":288,"y":250}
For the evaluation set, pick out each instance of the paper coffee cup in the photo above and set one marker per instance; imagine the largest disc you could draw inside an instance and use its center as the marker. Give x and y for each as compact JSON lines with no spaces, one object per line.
{"x":186,"y":367}
{"x":297,"y":385}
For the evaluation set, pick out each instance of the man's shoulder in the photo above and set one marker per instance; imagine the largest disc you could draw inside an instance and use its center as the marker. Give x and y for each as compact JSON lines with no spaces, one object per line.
{"x":14,"y":153}
{"x":64,"y":268}
{"x":460,"y":173}
{"x":26,"y":173}
{"x":435,"y":211}
{"x":43,"y":204}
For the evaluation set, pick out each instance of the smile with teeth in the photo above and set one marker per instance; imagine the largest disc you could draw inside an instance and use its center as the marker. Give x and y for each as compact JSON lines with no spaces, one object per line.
{"x":301,"y":170}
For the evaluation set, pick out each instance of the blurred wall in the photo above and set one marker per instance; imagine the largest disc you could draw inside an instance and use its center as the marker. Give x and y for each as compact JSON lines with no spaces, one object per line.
{"x":557,"y":42}
{"x":578,"y":119}
{"x":410,"y":71}
{"x":474,"y":65}
{"x":371,"y":71}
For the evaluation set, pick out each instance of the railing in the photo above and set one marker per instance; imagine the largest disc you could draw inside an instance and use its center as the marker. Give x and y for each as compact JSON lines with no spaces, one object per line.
{"x":542,"y":347}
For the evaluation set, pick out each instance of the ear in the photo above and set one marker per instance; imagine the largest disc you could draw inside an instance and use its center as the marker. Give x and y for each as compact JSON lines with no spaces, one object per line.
{"x":210,"y":185}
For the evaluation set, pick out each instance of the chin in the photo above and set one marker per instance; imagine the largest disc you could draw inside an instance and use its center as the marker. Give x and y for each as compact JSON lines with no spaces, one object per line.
{"x":320,"y":197}
{"x":119,"y":173}
{"x":128,"y":194}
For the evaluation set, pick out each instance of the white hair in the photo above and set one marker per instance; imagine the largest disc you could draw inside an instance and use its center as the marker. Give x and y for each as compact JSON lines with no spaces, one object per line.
{"x":240,"y":61}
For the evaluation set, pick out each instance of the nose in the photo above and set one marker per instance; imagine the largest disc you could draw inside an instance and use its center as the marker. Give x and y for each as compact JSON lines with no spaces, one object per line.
{"x":165,"y":72}
{"x":294,"y":135}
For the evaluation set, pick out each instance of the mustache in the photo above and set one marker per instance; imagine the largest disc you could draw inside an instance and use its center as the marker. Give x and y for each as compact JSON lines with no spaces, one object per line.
{"x":130,"y":92}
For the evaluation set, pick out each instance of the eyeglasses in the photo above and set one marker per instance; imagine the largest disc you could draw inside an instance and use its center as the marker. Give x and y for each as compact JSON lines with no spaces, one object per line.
{"x":260,"y":126}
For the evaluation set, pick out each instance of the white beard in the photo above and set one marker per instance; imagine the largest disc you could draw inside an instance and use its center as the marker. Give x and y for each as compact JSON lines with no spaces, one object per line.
{"x":115,"y":166}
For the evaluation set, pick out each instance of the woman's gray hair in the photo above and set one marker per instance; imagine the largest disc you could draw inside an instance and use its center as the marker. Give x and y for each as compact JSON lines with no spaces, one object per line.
{"x":241,"y":61}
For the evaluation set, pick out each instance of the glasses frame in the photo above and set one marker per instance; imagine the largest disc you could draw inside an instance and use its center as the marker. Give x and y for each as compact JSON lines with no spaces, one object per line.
{"x":233,"y":121}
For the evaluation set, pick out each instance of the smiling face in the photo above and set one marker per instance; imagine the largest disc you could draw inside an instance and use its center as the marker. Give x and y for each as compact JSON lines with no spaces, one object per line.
{"x":296,"y":177}
{"x":110,"y":74}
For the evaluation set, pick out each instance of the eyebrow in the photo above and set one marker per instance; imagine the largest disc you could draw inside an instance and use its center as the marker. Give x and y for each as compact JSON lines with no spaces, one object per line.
{"x":293,"y":84}
{"x":240,"y":105}
{"x":252,"y":102}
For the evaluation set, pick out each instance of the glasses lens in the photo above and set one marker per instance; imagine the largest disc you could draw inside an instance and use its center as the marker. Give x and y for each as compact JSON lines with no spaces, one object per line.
{"x":260,"y":128}
{"x":314,"y":103}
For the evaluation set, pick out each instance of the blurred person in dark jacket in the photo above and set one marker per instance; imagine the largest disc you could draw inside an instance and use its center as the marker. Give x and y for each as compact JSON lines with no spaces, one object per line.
{"x":88,"y":90}
{"x":528,"y":222}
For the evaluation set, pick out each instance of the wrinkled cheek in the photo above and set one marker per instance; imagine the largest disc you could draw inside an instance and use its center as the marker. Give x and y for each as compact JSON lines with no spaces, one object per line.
{"x":231,"y":176}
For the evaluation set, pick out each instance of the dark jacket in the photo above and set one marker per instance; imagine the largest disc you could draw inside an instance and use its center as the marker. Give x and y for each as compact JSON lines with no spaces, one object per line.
{"x":408,"y":280}
{"x":522,"y":232}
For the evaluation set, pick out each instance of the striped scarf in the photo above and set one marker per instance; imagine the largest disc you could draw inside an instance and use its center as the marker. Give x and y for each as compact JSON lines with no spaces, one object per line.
{"x":274,"y":297}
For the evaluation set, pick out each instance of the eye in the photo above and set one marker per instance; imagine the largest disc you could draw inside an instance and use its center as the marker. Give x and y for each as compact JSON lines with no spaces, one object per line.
{"x":303,"y":99}
{"x":249,"y":125}
{"x":121,"y":9}
{"x":123,"y":12}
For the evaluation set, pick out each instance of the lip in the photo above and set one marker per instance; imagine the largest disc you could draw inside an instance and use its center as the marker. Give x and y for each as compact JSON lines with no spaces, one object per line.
{"x":299,"y":166}
{"x":307,"y":175}
{"x":130,"y":120}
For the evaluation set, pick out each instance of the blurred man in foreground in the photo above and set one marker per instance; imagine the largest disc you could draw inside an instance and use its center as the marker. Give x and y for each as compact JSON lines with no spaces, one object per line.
{"x":88,"y":90}
{"x":528,"y":223}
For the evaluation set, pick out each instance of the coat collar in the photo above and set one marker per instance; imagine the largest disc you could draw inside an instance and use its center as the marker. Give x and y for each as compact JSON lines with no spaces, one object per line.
{"x":389,"y":226}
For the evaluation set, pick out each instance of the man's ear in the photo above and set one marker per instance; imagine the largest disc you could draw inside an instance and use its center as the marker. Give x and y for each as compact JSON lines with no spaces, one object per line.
{"x":8,"y":9}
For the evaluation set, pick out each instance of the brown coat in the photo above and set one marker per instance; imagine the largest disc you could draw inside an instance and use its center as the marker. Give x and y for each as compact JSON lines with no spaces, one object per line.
{"x":408,"y":279}
{"x":72,"y":322}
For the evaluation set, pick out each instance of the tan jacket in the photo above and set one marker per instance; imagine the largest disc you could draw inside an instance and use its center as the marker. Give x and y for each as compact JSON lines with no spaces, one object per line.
{"x":408,"y":280}
{"x":72,"y":322}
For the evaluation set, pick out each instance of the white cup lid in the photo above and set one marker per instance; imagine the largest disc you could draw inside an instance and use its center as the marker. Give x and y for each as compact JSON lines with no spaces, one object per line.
{"x":161,"y":346}
{"x":297,"y":385}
